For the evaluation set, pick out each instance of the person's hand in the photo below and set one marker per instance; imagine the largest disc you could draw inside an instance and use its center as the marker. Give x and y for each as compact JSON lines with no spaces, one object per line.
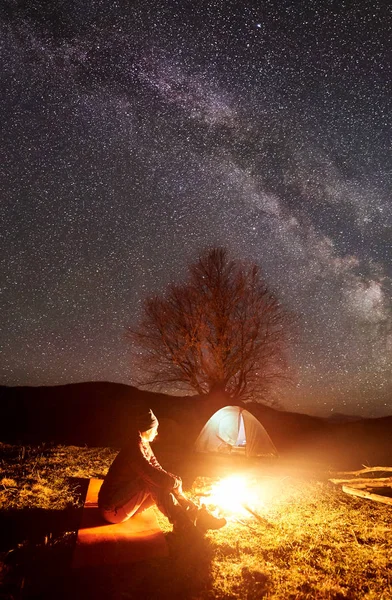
{"x":177,"y":484}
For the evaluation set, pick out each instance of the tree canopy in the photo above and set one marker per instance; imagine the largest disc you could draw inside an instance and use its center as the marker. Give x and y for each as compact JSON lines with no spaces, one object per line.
{"x":221,"y":328}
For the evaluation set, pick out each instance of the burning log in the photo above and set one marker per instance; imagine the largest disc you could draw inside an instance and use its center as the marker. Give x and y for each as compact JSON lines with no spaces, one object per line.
{"x":235,"y":496}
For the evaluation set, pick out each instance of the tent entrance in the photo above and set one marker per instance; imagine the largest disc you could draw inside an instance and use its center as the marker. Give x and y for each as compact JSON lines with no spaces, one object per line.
{"x":241,"y":438}
{"x":240,"y":445}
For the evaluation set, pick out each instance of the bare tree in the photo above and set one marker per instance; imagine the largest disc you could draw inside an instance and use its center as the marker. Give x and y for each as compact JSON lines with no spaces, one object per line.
{"x":222,"y":328}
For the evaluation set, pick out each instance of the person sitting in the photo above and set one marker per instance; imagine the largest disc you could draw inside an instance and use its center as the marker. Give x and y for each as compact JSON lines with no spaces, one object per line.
{"x":136,"y":481}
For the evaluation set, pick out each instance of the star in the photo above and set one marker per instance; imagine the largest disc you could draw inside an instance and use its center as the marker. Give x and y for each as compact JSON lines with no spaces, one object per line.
{"x":135,"y":136}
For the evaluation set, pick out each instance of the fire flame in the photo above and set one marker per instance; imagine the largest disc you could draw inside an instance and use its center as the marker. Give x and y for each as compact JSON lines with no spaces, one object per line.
{"x":233,"y":496}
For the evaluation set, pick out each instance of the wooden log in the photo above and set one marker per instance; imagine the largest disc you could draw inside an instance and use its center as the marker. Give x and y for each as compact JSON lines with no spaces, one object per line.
{"x":368,"y":485}
{"x":369,"y":480}
{"x":367,"y":495}
{"x":365,"y":470}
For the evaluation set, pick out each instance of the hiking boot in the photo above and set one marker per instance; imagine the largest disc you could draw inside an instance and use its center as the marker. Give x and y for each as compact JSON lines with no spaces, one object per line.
{"x":205,"y":520}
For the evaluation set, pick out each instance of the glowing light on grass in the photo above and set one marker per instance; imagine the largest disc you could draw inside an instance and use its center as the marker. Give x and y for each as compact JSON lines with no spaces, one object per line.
{"x":233,"y":495}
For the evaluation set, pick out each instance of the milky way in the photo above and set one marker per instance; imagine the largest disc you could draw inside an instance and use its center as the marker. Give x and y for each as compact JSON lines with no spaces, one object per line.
{"x":135,"y":136}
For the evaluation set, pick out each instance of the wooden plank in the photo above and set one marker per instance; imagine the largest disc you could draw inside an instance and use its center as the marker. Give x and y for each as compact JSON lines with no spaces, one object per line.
{"x":367,"y":495}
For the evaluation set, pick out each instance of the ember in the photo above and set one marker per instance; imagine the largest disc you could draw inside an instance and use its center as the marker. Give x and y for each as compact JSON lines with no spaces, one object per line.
{"x":234,"y":496}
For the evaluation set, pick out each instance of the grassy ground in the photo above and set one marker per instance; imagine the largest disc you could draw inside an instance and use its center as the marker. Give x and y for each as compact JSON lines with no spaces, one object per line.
{"x":314,"y":540}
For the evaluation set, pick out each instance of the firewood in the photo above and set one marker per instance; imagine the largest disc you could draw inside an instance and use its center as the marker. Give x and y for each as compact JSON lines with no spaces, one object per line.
{"x":365,"y":494}
{"x":369,"y":480}
{"x":365,"y":470}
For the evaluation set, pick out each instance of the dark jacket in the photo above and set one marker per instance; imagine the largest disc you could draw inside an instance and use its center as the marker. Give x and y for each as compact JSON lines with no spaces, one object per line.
{"x":134,"y":468}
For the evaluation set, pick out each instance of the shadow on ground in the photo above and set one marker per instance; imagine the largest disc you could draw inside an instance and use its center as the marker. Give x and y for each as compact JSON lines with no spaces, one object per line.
{"x":36,"y":525}
{"x":182,"y":575}
{"x":36,"y":550}
{"x":40,"y":565}
{"x":36,"y":547}
{"x":44,"y":572}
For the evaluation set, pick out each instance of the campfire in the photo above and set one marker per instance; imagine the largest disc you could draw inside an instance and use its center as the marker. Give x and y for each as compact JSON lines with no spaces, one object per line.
{"x":235,"y":497}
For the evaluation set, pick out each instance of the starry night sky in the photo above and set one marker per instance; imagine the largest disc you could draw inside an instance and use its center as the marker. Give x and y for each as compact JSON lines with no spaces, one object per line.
{"x":134,"y":134}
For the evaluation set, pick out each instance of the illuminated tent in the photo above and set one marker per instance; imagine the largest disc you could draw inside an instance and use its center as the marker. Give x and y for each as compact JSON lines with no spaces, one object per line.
{"x":234,"y":429}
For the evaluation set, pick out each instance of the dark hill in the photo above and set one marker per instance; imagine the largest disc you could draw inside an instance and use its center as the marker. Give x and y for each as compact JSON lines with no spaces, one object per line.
{"x":101,"y":414}
{"x":346,"y":445}
{"x":342,"y":418}
{"x":93,"y":413}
